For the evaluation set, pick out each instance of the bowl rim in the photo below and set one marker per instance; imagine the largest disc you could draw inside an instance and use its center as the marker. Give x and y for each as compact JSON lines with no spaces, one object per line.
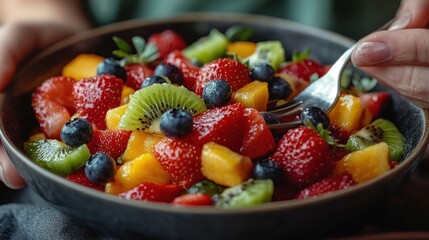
{"x":203,"y":210}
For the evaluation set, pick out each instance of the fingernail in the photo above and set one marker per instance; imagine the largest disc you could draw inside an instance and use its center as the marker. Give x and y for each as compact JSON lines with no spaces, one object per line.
{"x":401,"y":22}
{"x":370,"y":53}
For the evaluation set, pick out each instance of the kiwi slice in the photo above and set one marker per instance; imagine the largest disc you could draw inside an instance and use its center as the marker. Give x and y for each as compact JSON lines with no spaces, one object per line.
{"x":250,"y":193}
{"x":206,"y":187}
{"x":56,"y":156}
{"x":207,"y":48}
{"x":381,"y":130}
{"x":148,"y":104}
{"x":271,"y":52}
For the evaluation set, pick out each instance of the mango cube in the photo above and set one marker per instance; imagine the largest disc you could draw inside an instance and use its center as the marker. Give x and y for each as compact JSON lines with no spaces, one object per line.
{"x":365,"y":164}
{"x":126,"y":94}
{"x":348,"y":113}
{"x":223,"y":166}
{"x":113,"y":116}
{"x":140,"y":142}
{"x":243,"y":49}
{"x":145,"y":168}
{"x":253,"y":95}
{"x":82,"y":66}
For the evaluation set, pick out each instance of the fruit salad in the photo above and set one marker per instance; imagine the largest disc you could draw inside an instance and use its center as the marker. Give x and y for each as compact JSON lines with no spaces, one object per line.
{"x":192,"y":124}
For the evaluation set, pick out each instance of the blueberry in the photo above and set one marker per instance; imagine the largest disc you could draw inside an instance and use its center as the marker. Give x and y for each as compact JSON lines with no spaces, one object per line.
{"x":100,"y":168}
{"x":76,"y":132}
{"x":112,"y":67}
{"x":155,"y":79}
{"x":170,"y":71}
{"x":315,"y":115}
{"x":270,"y":118}
{"x":176,"y":123}
{"x":263,"y":73}
{"x":217,"y":93}
{"x":267,"y":169}
{"x":279,"y":89}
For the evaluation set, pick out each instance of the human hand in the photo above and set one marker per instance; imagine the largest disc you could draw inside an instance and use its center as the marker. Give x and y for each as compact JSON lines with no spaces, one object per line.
{"x":399,"y":58}
{"x":29,"y":26}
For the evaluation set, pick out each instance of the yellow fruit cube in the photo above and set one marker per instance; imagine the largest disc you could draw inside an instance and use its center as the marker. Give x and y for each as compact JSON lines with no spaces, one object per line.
{"x":223,"y":166}
{"x":253,"y":95}
{"x":347,"y":113}
{"x":82,"y":66}
{"x":140,"y":142}
{"x":113,"y":116}
{"x":126,"y":94}
{"x":37,"y":136}
{"x":145,"y":168}
{"x":114,"y":188}
{"x":243,"y":49}
{"x":365,"y":164}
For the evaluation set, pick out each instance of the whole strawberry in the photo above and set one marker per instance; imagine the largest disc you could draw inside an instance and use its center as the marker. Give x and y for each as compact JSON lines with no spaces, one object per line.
{"x":94,"y":96}
{"x":181,"y":160}
{"x":329,"y":184}
{"x":304,"y":69}
{"x":228,"y":69}
{"x":189,"y":70}
{"x":304,"y":156}
{"x":167,"y":41}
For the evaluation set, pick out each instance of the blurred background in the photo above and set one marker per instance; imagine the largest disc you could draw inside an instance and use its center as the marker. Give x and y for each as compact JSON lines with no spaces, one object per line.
{"x":352,"y":18}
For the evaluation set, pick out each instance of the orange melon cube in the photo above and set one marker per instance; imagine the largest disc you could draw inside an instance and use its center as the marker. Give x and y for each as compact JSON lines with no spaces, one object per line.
{"x":243,"y":49}
{"x":223,"y":166}
{"x":140,"y":142}
{"x":253,"y":95}
{"x":82,"y":66}
{"x":365,"y":164}
{"x":113,"y":116}
{"x":348,"y":113}
{"x":145,"y":168}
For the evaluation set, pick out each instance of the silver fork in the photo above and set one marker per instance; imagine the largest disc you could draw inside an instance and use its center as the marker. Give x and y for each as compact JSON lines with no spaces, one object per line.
{"x":322,"y":93}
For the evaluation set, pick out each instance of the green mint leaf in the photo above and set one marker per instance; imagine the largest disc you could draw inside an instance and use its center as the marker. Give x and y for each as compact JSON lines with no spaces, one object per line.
{"x":119,"y":53}
{"x":239,"y":33}
{"x":299,"y":56}
{"x":139,"y":44}
{"x":122,"y":45}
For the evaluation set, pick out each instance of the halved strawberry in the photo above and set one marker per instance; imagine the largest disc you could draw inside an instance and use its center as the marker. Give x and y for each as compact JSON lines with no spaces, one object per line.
{"x":51,"y":115}
{"x":136,"y":73}
{"x":189,"y":70}
{"x":79,"y":177}
{"x":111,"y":142}
{"x":94,"y":96}
{"x":193,"y":199}
{"x":182,"y":160}
{"x":166,"y":42}
{"x":258,"y":140}
{"x":304,"y":156}
{"x":327,"y":185}
{"x":304,"y":69}
{"x":53,"y":105}
{"x":228,"y":69}
{"x":59,"y":89}
{"x":375,"y":102}
{"x":223,"y":125}
{"x":153,"y":192}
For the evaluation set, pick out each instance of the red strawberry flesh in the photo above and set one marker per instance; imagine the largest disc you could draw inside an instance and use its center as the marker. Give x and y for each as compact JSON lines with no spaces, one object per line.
{"x":327,"y":185}
{"x":153,"y":192}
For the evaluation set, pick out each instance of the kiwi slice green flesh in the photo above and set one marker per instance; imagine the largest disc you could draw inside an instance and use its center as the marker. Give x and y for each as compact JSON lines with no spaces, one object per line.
{"x":207,"y":48}
{"x":57,"y":157}
{"x":250,"y":193}
{"x":381,"y":130}
{"x":148,"y":104}
{"x":271,"y":52}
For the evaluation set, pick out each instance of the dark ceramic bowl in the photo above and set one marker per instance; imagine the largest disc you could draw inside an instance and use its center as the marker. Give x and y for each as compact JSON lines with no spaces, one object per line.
{"x":128,"y":219}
